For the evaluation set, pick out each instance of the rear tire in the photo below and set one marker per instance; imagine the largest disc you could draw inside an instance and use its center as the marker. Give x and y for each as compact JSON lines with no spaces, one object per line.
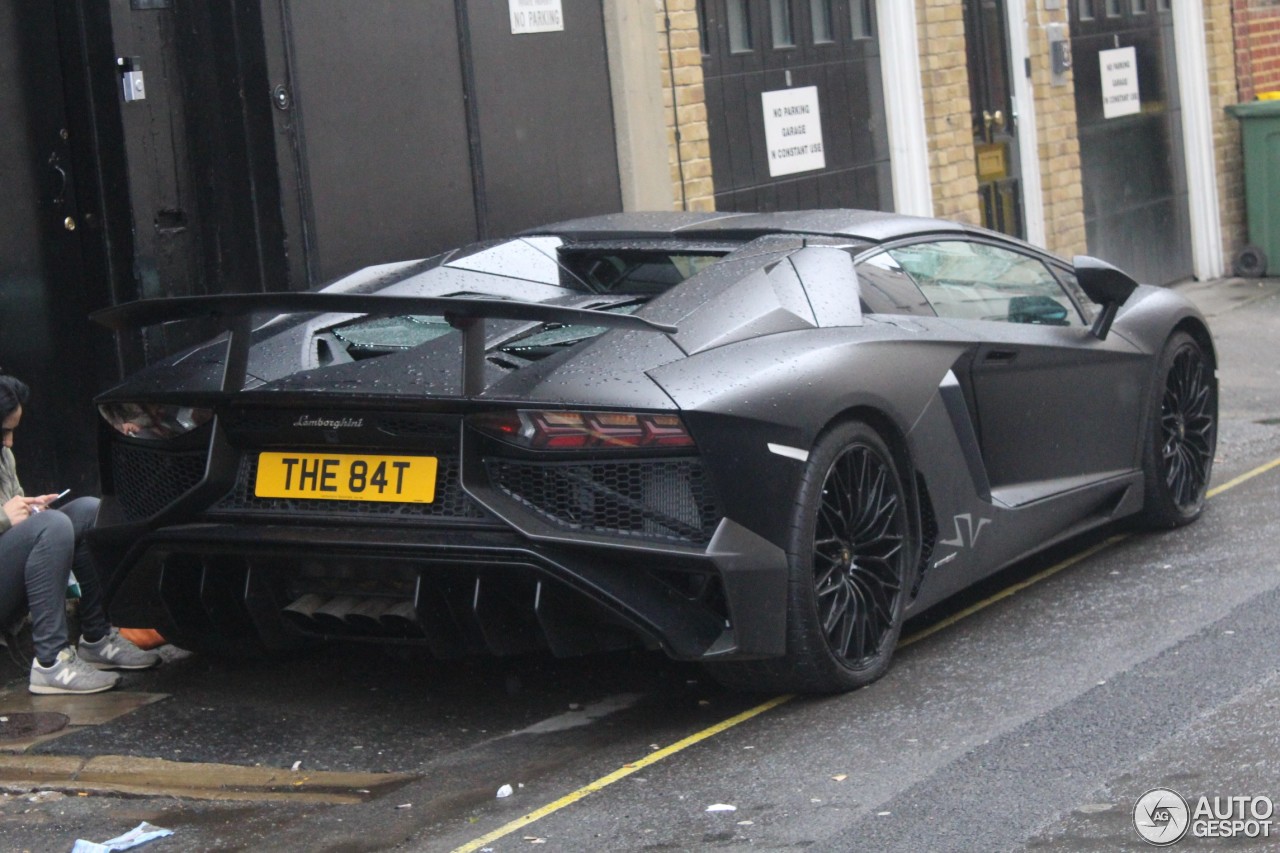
{"x":1181,"y":435}
{"x":851,"y":560}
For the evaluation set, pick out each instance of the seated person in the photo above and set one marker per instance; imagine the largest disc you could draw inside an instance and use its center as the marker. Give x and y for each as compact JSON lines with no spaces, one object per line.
{"x":39,"y":549}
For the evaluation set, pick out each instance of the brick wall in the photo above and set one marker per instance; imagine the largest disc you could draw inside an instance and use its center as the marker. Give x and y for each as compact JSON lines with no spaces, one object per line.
{"x":1243,"y":42}
{"x":687,"y":140}
{"x":947,"y":113}
{"x":1059,"y":141}
{"x":1257,"y":46}
{"x":1220,"y":49}
{"x":949,"y":123}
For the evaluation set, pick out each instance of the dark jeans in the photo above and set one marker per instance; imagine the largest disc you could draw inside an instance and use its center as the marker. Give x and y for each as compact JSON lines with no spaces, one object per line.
{"x":36,"y":556}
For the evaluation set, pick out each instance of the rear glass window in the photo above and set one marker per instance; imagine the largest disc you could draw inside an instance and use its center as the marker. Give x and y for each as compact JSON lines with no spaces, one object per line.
{"x":382,"y":335}
{"x":554,"y":336}
{"x":600,"y":268}
{"x":639,"y":271}
{"x":595,"y":268}
{"x":375,"y":336}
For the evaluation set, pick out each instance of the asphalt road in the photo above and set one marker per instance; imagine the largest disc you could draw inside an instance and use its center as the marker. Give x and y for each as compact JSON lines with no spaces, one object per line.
{"x":1031,"y":713}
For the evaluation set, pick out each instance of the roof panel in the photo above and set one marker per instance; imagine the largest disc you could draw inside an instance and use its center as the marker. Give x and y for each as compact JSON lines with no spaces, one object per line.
{"x":869,"y":225}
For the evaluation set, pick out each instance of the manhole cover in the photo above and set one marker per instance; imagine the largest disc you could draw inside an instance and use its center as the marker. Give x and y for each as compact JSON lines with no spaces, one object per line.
{"x":25,"y":725}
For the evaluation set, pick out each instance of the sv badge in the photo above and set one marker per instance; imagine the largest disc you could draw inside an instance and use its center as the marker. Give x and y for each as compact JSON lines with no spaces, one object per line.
{"x":967,"y":531}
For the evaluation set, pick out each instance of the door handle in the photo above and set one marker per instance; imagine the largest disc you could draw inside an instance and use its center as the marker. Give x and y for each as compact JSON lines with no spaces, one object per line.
{"x":1000,"y":356}
{"x":60,"y":184}
{"x":990,"y":119}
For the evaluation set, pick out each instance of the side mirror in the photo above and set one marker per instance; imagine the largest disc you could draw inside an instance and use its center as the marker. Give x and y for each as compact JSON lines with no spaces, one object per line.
{"x":1105,"y":285}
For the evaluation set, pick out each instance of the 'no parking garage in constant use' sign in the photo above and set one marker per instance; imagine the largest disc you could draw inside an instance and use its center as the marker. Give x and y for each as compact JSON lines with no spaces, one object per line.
{"x":1119,"y":82}
{"x":793,"y":131}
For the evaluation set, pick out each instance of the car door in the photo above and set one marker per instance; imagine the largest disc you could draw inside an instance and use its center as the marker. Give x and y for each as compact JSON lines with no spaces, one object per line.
{"x":1056,"y":407}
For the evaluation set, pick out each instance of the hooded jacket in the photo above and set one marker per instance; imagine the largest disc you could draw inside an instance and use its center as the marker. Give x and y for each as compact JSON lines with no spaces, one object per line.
{"x":9,"y":485}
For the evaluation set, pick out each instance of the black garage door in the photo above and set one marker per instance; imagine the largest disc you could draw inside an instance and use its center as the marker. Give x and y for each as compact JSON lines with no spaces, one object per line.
{"x":413,"y":127}
{"x":770,"y":66}
{"x":1131,"y":154}
{"x":45,"y":288}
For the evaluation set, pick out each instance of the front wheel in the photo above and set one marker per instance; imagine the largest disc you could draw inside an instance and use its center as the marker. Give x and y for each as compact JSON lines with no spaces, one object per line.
{"x":1181,"y":435}
{"x":851,"y":559}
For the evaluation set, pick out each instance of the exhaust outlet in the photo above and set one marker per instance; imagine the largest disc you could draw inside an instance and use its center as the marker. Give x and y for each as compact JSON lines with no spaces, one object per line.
{"x":301,"y":613}
{"x":365,"y":617}
{"x":332,"y":616}
{"x":401,"y":619}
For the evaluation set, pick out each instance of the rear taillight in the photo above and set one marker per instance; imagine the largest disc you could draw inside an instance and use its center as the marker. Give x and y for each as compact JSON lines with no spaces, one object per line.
{"x":557,"y":430}
{"x":153,"y":421}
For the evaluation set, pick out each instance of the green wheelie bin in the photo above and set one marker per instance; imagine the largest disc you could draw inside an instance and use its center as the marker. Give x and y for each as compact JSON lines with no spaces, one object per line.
{"x":1260,"y":130}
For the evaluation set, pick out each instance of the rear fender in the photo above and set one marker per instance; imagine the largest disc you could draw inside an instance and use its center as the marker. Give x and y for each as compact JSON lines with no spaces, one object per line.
{"x":755,"y":410}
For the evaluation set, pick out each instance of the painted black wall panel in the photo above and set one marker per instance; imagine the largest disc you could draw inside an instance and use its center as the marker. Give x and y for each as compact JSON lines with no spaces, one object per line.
{"x":230,"y":145}
{"x":868,"y":138}
{"x":846,"y":74}
{"x":546,"y":136}
{"x":830,"y":192}
{"x":789,"y":195}
{"x":167,"y":220}
{"x":840,"y":140}
{"x":719,"y":144}
{"x":740,"y":133}
{"x":879,"y":131}
{"x":45,"y":339}
{"x":378,"y":98}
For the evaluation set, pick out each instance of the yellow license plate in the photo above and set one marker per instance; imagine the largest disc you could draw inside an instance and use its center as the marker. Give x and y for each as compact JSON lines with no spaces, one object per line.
{"x":347,"y":477}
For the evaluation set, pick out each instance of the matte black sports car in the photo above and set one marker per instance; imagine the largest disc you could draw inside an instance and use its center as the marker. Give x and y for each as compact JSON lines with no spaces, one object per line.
{"x":758,"y":441}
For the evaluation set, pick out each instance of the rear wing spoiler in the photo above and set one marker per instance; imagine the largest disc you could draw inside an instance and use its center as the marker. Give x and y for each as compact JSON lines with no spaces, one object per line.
{"x":234,"y":313}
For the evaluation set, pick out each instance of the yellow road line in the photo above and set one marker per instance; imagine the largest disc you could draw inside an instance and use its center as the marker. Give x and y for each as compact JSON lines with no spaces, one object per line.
{"x":622,"y":773}
{"x":1010,"y":590}
{"x":1248,"y":475}
{"x":698,"y":737}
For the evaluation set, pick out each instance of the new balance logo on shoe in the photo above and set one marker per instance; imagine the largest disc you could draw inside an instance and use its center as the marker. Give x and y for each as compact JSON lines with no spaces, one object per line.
{"x":115,"y":652}
{"x":69,"y":674}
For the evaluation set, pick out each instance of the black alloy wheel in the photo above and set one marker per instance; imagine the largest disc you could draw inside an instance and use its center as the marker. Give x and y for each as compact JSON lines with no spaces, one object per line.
{"x":852,"y":561}
{"x":1183,"y":436}
{"x":858,"y":547}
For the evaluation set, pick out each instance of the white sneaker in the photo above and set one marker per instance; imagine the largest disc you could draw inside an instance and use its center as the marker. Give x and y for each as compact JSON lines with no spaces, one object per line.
{"x":115,"y":652}
{"x":69,"y":674}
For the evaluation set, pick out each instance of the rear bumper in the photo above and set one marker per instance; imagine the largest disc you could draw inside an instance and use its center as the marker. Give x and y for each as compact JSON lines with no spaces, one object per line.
{"x":238,"y":587}
{"x":570,"y":557}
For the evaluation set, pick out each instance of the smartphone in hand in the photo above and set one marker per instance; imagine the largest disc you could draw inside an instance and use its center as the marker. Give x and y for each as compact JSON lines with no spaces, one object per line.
{"x":53,"y":501}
